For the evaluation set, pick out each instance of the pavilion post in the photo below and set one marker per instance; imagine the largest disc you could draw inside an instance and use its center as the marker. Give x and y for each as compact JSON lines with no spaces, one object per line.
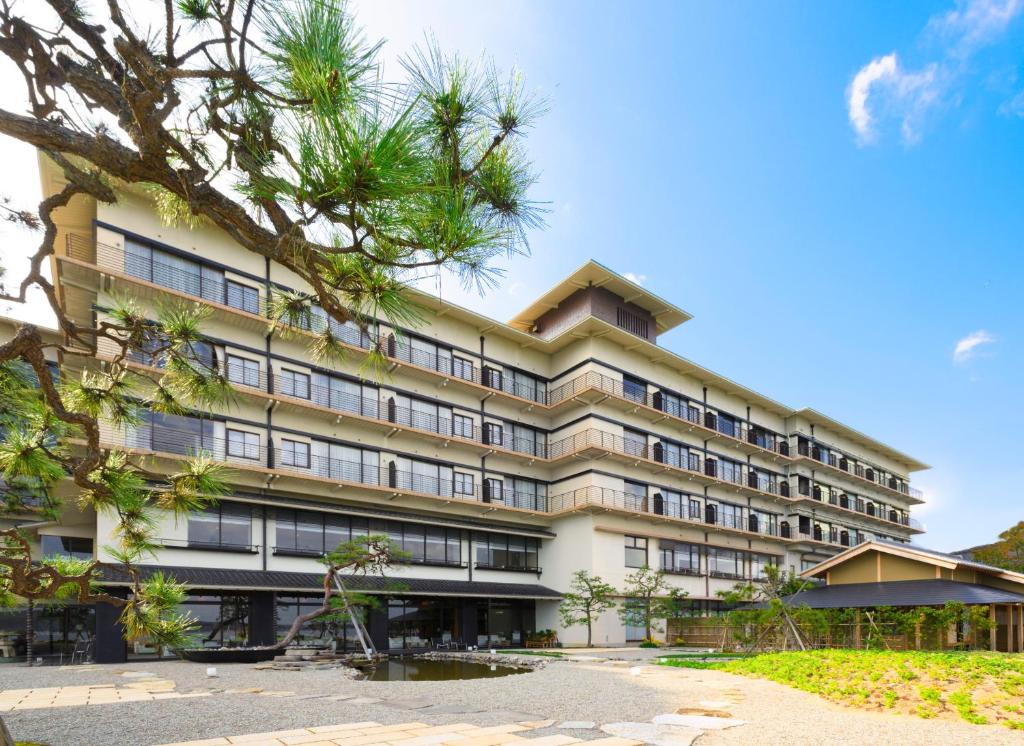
{"x":992,"y":629}
{"x":1020,"y":628}
{"x":856,"y":629}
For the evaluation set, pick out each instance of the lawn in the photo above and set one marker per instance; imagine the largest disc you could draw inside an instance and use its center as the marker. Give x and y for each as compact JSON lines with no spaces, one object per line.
{"x":976,"y":687}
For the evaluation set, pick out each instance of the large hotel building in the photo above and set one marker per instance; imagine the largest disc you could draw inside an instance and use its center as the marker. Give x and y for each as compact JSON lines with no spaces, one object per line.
{"x":503,"y":456}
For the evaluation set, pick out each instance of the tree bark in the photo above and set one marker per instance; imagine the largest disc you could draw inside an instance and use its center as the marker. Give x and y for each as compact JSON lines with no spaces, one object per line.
{"x":6,"y":739}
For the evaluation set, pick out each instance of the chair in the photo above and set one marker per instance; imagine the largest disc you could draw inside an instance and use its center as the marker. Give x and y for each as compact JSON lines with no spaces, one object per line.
{"x":445,"y":643}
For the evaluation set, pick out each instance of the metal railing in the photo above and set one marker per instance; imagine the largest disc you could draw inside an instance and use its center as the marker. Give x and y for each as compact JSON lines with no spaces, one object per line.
{"x":656,"y":504}
{"x":692,"y":463}
{"x":176,"y":441}
{"x":835,"y":459}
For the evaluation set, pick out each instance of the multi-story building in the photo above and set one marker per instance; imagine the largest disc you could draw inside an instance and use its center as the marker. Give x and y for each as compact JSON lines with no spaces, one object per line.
{"x":502,"y":456}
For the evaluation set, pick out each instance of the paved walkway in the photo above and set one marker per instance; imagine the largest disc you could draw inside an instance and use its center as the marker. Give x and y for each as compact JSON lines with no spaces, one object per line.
{"x":405,"y":734}
{"x":90,"y":694}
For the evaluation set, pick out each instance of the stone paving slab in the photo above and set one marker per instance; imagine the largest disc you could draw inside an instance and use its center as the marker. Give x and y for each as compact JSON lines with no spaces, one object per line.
{"x":403,"y":734}
{"x":12,"y":700}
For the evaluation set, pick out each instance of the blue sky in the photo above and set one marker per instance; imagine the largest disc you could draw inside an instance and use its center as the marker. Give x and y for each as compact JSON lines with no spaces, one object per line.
{"x":835,"y":191}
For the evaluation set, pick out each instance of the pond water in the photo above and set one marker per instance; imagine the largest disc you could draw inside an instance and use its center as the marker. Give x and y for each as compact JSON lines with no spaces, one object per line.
{"x":415,"y":669}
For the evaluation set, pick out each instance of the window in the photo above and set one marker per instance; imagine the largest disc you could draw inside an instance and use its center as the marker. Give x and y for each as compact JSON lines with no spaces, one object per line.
{"x":243,"y":445}
{"x":502,"y":552}
{"x":631,"y":322}
{"x":758,"y":563}
{"x":680,"y":557}
{"x":675,"y":405}
{"x":493,"y":433}
{"x":635,"y":443}
{"x":636,"y":496}
{"x":671,"y":453}
{"x":243,"y":297}
{"x":526,"y":493}
{"x":725,"y":563}
{"x":464,"y":484}
{"x":346,"y":463}
{"x":348,"y":396}
{"x":726,"y":424}
{"x":294,"y":453}
{"x":173,"y":271}
{"x":244,"y":371}
{"x":730,"y":471}
{"x":494,"y":490}
{"x":79,"y":547}
{"x":462,"y":368}
{"x":636,"y":551}
{"x":421,"y":476}
{"x":730,"y":516}
{"x":293,"y":383}
{"x":523,"y":385}
{"x":634,"y":389}
{"x":462,"y":426}
{"x":227,"y":525}
{"x":171,"y":433}
{"x":528,"y":440}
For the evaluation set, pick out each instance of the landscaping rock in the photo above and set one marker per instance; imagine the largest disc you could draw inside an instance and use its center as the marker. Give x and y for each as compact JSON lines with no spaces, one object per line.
{"x":577,"y":725}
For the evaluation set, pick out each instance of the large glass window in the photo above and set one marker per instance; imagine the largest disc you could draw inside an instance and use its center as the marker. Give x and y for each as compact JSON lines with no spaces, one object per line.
{"x":528,"y":494}
{"x":680,"y":557}
{"x":462,"y":426}
{"x":173,"y":271}
{"x":464,"y":484}
{"x":725,"y":563}
{"x":634,"y":389}
{"x":227,"y":525}
{"x":636,"y":551}
{"x":635,"y":496}
{"x":171,"y":433}
{"x":730,"y":471}
{"x":420,"y":476}
{"x":505,"y":552}
{"x":346,"y":395}
{"x":223,"y":619}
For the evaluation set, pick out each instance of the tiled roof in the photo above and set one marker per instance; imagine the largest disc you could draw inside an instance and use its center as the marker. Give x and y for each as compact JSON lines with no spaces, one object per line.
{"x":900,"y":593}
{"x":221,"y":578}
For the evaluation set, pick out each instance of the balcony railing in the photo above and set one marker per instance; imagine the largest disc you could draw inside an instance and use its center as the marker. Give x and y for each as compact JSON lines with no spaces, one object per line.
{"x":657,"y":505}
{"x":728,"y":427}
{"x":872,"y":510}
{"x":692,"y":463}
{"x":840,"y":462}
{"x":185,"y":443}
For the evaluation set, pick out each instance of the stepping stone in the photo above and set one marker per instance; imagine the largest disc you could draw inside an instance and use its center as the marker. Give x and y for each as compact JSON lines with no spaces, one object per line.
{"x":577,"y":725}
{"x":409,"y":704}
{"x":703,"y":722}
{"x":659,"y":735}
{"x":311,"y":696}
{"x":340,"y":697}
{"x":138,"y":675}
{"x":364,"y":701}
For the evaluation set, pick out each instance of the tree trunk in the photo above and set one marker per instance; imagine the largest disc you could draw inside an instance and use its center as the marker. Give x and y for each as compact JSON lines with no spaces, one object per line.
{"x":589,"y":624}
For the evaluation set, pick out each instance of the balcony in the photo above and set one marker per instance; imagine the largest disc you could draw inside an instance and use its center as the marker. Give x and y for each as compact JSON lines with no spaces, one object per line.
{"x":208,"y":546}
{"x":855,"y":506}
{"x":706,"y":470}
{"x":859,"y":474}
{"x":743,"y":436}
{"x":179,"y":444}
{"x":153,"y":278}
{"x":656,"y":507}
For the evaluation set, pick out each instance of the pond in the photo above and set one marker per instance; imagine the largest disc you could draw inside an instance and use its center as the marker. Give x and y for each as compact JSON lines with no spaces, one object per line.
{"x":417,"y":669}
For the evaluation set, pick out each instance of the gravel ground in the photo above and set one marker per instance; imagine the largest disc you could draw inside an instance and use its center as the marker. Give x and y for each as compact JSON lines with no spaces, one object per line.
{"x":579,"y":690}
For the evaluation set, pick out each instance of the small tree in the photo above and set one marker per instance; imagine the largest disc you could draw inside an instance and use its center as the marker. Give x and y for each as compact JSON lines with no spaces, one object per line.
{"x":640,"y":607}
{"x":361,"y":557}
{"x":588,"y":597}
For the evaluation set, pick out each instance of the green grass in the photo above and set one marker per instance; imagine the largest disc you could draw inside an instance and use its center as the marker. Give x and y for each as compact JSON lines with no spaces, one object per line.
{"x":975,"y":687}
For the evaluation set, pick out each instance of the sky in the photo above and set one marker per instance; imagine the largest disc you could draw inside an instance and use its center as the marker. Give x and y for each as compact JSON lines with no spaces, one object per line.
{"x":835,"y":191}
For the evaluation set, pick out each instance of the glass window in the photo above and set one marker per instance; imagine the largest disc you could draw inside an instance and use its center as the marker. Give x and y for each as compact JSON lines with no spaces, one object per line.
{"x":725,"y":563}
{"x":493,"y":433}
{"x":462,"y":426}
{"x":294,"y":453}
{"x":243,"y":297}
{"x":293,"y":383}
{"x":462,"y":368}
{"x":634,"y":389}
{"x":244,"y":371}
{"x":435,"y":545}
{"x":243,"y":445}
{"x":730,"y":471}
{"x":79,"y":547}
{"x":726,"y":424}
{"x":502,"y":552}
{"x":636,"y":496}
{"x":636,"y":551}
{"x":680,"y":557}
{"x":226,"y":524}
{"x":635,"y":443}
{"x":464,"y":484}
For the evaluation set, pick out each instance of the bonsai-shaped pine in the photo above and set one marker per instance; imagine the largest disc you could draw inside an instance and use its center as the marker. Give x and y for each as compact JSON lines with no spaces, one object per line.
{"x":587,"y":598}
{"x":644,"y":604}
{"x":273,"y":123}
{"x":361,"y":557}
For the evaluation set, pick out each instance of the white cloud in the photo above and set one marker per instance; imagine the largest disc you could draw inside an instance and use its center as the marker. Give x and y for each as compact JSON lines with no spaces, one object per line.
{"x":967,"y":347}
{"x":975,"y":23}
{"x":638,"y":279}
{"x":887,"y":89}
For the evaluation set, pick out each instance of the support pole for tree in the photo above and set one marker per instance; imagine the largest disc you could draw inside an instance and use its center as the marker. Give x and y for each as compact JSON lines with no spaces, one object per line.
{"x":30,"y":633}
{"x":357,"y":625}
{"x":992,"y":629}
